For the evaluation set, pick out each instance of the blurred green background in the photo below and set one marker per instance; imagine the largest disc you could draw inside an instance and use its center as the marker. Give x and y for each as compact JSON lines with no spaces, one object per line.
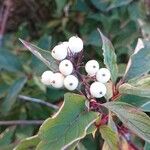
{"x":45,"y":23}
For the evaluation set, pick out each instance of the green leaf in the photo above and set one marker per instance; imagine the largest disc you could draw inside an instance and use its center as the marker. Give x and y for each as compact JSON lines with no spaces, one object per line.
{"x":142,"y":81}
{"x":138,"y":86}
{"x":147,"y":146}
{"x":140,"y":63}
{"x":41,"y":54}
{"x":45,"y":43}
{"x":93,"y":39}
{"x":133,"y":118}
{"x":118,"y":3}
{"x":146,"y":106}
{"x":110,"y":59}
{"x":90,"y":130}
{"x":12,"y":63}
{"x":60,"y":5}
{"x":73,"y":146}
{"x":101,"y":5}
{"x":13,"y":92}
{"x":6,"y":137}
{"x":109,"y":136}
{"x":112,"y":126}
{"x":55,"y":94}
{"x":134,"y":100}
{"x":81,"y":146}
{"x":28,"y":143}
{"x":69,"y":125}
{"x":3,"y":89}
{"x":130,"y":89}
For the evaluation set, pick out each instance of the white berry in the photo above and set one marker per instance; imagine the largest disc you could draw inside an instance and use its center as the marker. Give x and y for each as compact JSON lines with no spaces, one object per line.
{"x":46,"y":77}
{"x":75,"y":44}
{"x":71,"y":82}
{"x":66,"y":67}
{"x":66,"y":44}
{"x":57,"y":80}
{"x":103,"y":75}
{"x":97,"y":89}
{"x":60,"y":51}
{"x":91,"y":67}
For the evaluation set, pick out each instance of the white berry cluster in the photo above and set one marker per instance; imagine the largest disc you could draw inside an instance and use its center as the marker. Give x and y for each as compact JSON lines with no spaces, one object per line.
{"x":68,"y":73}
{"x":64,"y":77}
{"x":74,"y":45}
{"x":97,"y":88}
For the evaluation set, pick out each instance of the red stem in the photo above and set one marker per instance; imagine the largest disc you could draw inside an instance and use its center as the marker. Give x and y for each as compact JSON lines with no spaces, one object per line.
{"x":124,"y":131}
{"x":102,"y":121}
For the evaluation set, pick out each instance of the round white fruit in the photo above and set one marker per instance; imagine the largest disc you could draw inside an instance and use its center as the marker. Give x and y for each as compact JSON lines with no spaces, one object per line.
{"x":66,"y":44}
{"x":97,"y":89}
{"x":103,"y":75}
{"x":66,"y":67}
{"x":91,"y":67}
{"x":71,"y":82}
{"x":75,"y":44}
{"x":57,"y":80}
{"x":46,"y":77}
{"x":60,"y":51}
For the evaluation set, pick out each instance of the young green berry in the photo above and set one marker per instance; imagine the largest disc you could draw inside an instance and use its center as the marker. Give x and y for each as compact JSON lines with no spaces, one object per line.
{"x":103,"y":75}
{"x":75,"y":44}
{"x":60,"y":51}
{"x":71,"y":82}
{"x":97,"y":89}
{"x":91,"y":67}
{"x":66,"y":67}
{"x":46,"y":77}
{"x":57,"y":80}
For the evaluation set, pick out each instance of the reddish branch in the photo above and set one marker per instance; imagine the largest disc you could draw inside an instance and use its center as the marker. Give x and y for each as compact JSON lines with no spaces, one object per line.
{"x":123,"y":131}
{"x":115,"y":90}
{"x":102,"y":121}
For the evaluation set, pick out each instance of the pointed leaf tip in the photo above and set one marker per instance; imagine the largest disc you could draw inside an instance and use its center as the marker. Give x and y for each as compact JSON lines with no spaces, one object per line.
{"x":110,"y":58}
{"x":43,"y":55}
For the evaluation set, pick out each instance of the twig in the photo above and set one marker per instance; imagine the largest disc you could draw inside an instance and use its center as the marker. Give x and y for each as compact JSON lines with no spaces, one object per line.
{"x":30,"y":99}
{"x":4,"y":17}
{"x":22,"y":122}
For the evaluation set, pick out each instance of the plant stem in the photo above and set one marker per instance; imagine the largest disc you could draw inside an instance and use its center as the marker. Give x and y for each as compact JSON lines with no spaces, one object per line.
{"x":22,"y":122}
{"x":123,"y":131}
{"x":102,"y":121}
{"x":4,"y":14}
{"x":30,"y":99}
